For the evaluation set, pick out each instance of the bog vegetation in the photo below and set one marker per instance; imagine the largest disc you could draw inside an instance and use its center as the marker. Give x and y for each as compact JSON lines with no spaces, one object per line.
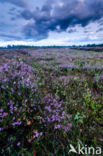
{"x":50,"y":99}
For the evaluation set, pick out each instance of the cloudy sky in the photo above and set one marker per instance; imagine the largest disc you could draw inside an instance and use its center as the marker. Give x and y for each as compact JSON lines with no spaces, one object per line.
{"x":51,"y":22}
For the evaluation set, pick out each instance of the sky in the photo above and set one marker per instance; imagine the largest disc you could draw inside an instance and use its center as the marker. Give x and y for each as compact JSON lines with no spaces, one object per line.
{"x":51,"y":22}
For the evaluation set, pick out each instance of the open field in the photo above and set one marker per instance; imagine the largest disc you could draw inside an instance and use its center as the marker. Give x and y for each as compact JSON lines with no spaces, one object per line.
{"x":49,"y":99}
{"x":90,"y":48}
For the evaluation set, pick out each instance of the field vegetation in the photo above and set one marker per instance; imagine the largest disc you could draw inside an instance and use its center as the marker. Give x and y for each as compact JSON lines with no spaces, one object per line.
{"x":49,"y":99}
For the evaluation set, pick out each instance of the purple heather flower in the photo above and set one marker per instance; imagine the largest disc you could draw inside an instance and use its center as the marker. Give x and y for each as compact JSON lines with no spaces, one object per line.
{"x":11,"y":107}
{"x":8,"y":104}
{"x":26,"y":100}
{"x":48,"y":108}
{"x":15,"y":108}
{"x":2,"y":87}
{"x":20,"y":108}
{"x":32,"y":105}
{"x":70,"y":125}
{"x":18,"y":144}
{"x":12,"y":90}
{"x":41,"y":133}
{"x":68,"y":116}
{"x":36,"y":134}
{"x":0,"y":114}
{"x":5,"y":114}
{"x":1,"y":110}
{"x":5,"y":80}
{"x":13,"y":118}
{"x":68,"y":66}
{"x":18,"y":114}
{"x":16,"y":123}
{"x":54,"y":113}
{"x":21,"y":62}
{"x":14,"y":82}
{"x":19,"y":94}
{"x":0,"y":129}
{"x":57,"y":126}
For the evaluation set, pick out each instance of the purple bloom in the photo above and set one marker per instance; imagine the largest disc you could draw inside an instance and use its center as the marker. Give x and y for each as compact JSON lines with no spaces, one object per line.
{"x":13,"y":118}
{"x":1,"y":114}
{"x":2,"y":87}
{"x":1,"y":110}
{"x":19,"y":94}
{"x":18,"y":144}
{"x":16,"y":123}
{"x":15,"y":108}
{"x":36,"y":134}
{"x":54,"y":114}
{"x":5,"y":114}
{"x":14,"y":82}
{"x":12,"y":90}
{"x":68,"y":66}
{"x":70,"y":125}
{"x":20,"y":108}
{"x":11,"y":107}
{"x":57,"y":126}
{"x":68,"y":116}
{"x":32,"y":105}
{"x":0,"y":129}
{"x":41,"y":133}
{"x":21,"y":62}
{"x":48,"y":108}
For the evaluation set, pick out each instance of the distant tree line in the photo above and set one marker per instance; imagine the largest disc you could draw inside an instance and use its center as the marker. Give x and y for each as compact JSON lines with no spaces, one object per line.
{"x":89,"y":45}
{"x":27,"y":46}
{"x":54,"y":46}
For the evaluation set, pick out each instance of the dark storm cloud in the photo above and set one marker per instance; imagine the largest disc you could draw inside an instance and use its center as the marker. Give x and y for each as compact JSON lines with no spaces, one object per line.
{"x":12,"y":9}
{"x":13,"y":18}
{"x":63,"y":14}
{"x":40,"y":32}
{"x":55,"y":15}
{"x":71,"y":30}
{"x":86,"y":31}
{"x":26,"y":14}
{"x":8,"y":37}
{"x":100,"y":22}
{"x":20,"y":3}
{"x":99,"y":30}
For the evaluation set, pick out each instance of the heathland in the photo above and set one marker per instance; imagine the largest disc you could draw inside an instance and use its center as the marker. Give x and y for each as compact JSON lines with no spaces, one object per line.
{"x":50,"y":98}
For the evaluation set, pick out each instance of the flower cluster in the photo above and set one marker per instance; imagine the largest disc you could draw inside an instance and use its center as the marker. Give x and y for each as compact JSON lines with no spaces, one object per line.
{"x":19,"y":73}
{"x":54,"y":113}
{"x":17,"y":87}
{"x":68,"y":66}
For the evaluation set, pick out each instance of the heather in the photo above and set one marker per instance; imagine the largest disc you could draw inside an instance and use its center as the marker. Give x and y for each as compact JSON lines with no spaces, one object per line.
{"x":49,"y":99}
